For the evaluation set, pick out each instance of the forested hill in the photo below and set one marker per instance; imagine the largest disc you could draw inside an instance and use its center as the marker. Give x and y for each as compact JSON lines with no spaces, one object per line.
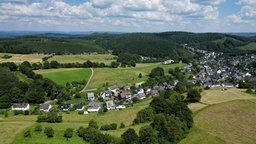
{"x":159,"y":45}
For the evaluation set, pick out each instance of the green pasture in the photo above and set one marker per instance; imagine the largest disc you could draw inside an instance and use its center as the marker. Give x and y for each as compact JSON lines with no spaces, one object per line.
{"x":100,"y":58}
{"x":124,"y":76}
{"x":62,"y":76}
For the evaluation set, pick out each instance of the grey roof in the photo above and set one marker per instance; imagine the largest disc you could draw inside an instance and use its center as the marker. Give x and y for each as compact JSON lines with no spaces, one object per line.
{"x":44,"y":106}
{"x":20,"y":105}
{"x":94,"y":104}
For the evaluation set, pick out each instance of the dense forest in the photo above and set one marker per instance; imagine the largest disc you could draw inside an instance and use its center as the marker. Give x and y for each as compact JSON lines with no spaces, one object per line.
{"x":154,"y":45}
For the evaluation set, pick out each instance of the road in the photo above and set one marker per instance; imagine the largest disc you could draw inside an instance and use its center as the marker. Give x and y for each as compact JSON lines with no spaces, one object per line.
{"x":84,"y":89}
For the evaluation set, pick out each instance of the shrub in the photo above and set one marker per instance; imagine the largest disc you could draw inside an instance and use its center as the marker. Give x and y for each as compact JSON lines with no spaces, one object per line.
{"x":145,"y":115}
{"x":93,"y":124}
{"x":59,"y":119}
{"x":68,"y":133}
{"x":193,"y":95}
{"x":42,"y":118}
{"x":49,"y":131}
{"x":27,"y":133}
{"x":38,"y":128}
{"x":26,"y":112}
{"x":112,"y":126}
{"x":72,"y":109}
{"x":17,"y":112}
{"x":80,"y":112}
{"x":122,"y":125}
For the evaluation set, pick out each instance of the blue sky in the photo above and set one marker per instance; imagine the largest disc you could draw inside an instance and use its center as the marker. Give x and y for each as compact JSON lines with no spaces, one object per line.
{"x":128,"y":15}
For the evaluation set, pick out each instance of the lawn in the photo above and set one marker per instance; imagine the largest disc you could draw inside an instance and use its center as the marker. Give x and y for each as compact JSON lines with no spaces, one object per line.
{"x":101,"y":58}
{"x":19,"y":58}
{"x":62,"y":76}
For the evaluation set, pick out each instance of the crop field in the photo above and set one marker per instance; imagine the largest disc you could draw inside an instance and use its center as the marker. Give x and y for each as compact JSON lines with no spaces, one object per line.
{"x":62,"y":76}
{"x":101,"y":58}
{"x":19,"y":58}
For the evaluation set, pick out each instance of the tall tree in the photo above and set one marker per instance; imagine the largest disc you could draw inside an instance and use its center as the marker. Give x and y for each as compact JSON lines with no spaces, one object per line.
{"x":130,"y":136}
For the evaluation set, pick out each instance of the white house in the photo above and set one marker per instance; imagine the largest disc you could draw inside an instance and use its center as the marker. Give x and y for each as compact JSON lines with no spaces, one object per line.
{"x":168,"y":62}
{"x":114,"y":89}
{"x":21,"y":106}
{"x":93,"y":107}
{"x":45,"y":107}
{"x":90,"y":96}
{"x":110,"y":105}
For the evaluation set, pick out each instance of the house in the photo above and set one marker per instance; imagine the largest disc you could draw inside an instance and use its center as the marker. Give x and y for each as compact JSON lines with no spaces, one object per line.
{"x":93,"y":107}
{"x":114,"y":89}
{"x":128,"y":87}
{"x":64,"y":107}
{"x":110,"y":105}
{"x":120,"y":106}
{"x":126,"y":95}
{"x":168,"y":62}
{"x":21,"y":106}
{"x":138,"y":91}
{"x":227,"y":85}
{"x":147,"y":90}
{"x":90,"y":96}
{"x":141,"y":96}
{"x":105,"y":94}
{"x":154,"y":93}
{"x":45,"y":107}
{"x":78,"y":106}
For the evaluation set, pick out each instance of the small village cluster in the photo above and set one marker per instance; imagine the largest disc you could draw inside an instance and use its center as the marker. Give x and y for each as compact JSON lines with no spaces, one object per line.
{"x":114,"y":98}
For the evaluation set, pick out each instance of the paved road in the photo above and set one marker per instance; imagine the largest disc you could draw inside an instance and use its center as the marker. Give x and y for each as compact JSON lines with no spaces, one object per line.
{"x":84,"y":89}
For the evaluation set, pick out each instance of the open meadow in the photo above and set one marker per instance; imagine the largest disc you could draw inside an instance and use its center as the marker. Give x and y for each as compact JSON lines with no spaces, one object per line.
{"x":223,"y":117}
{"x":19,"y":58}
{"x":124,"y":76}
{"x":64,"y":75}
{"x":100,"y":58}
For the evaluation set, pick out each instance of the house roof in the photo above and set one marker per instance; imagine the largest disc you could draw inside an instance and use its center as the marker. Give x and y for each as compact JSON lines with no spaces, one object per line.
{"x":110,"y":104}
{"x":64,"y":106}
{"x":78,"y":106}
{"x":94,"y":104}
{"x":113,"y":87}
{"x":44,"y":106}
{"x":20,"y":105}
{"x":90,"y":95}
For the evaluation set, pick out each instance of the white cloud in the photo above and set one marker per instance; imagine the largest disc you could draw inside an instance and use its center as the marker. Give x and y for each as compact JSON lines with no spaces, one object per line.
{"x":247,"y":13}
{"x":117,"y":14}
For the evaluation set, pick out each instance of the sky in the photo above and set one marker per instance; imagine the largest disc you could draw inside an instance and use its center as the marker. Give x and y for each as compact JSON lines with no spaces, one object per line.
{"x":128,"y":15}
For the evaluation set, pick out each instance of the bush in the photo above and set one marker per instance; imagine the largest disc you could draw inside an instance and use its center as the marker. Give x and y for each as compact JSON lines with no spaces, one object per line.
{"x":122,"y":125}
{"x":17,"y":112}
{"x":93,"y":124}
{"x":27,"y":133}
{"x":80,"y":132}
{"x":68,"y":133}
{"x":80,"y":112}
{"x":38,"y":128}
{"x":145,"y":115}
{"x":26,"y":112}
{"x":49,"y":131}
{"x":59,"y":119}
{"x":42,"y":118}
{"x":112,"y":126}
{"x":72,"y":109}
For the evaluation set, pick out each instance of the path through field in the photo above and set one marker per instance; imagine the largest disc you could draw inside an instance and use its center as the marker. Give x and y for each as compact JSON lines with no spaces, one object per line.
{"x":84,"y":89}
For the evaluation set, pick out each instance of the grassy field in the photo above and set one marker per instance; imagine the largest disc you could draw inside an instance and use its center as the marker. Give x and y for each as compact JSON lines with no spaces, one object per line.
{"x":19,"y":58}
{"x":124,"y":76}
{"x":228,"y":122}
{"x":62,"y":76}
{"x":250,"y":46}
{"x":101,"y":58}
{"x":223,"y":117}
{"x":13,"y":127}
